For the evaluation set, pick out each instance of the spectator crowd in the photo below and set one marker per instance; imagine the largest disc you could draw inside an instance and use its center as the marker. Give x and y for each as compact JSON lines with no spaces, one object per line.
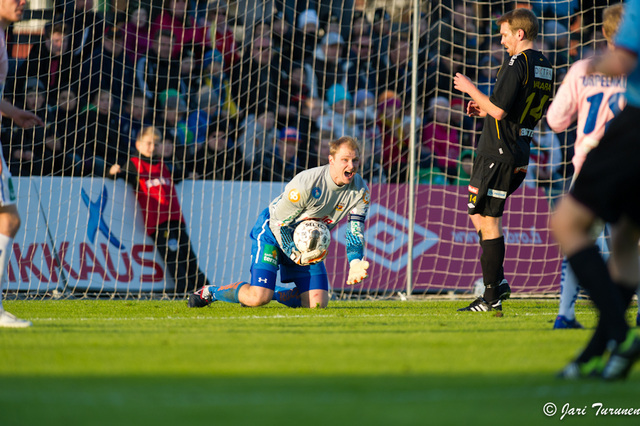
{"x":262,"y":103}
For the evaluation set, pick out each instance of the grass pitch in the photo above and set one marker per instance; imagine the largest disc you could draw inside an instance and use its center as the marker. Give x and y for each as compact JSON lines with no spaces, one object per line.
{"x":354,"y":363}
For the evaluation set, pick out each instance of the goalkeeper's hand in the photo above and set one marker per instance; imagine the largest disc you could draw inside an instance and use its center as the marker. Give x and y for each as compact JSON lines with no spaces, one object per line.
{"x":357,"y":271}
{"x":307,"y":258}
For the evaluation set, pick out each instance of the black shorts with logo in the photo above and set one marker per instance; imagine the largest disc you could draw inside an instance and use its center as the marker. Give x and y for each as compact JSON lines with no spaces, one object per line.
{"x":610,"y":176}
{"x":491,"y":183}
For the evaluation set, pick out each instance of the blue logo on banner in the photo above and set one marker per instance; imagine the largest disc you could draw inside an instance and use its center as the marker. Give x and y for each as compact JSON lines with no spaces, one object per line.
{"x":96,"y":219}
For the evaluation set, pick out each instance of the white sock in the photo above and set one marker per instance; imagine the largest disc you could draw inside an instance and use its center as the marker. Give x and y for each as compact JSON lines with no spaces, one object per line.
{"x":569,"y":287}
{"x":569,"y":290}
{"x":6,"y":244}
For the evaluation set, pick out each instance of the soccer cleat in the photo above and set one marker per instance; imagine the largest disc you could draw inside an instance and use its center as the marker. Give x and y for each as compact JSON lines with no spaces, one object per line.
{"x":8,"y":320}
{"x":622,"y":358}
{"x":504,"y":291}
{"x":564,"y":322}
{"x":583,"y":370}
{"x":481,"y":305}
{"x":202,"y":297}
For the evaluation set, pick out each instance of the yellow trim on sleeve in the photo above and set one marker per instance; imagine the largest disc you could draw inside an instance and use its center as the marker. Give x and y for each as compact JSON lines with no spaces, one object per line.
{"x":527,"y":68}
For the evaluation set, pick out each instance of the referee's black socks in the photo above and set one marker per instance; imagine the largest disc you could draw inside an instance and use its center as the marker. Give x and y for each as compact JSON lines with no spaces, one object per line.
{"x":492,"y":260}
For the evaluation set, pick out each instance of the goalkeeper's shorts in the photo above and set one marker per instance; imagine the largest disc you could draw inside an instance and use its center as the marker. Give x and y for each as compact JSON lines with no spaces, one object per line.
{"x":267,"y":259}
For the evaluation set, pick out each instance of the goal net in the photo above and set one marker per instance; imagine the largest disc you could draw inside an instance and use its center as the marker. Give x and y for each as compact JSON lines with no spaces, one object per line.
{"x":245,"y":94}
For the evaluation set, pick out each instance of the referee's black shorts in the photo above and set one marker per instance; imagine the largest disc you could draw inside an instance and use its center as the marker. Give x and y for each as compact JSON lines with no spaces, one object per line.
{"x":491,"y":183}
{"x":609,"y":182}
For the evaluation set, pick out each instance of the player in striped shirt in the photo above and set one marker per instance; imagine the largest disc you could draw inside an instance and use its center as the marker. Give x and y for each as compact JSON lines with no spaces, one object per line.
{"x":10,"y":11}
{"x":328,"y":193}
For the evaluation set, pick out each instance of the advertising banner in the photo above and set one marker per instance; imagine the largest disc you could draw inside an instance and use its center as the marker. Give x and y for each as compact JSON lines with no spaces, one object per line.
{"x":88,"y":234}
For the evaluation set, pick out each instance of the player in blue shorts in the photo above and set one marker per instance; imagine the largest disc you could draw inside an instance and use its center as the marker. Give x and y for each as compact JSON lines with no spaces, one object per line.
{"x":328,"y":194}
{"x":606,"y":189}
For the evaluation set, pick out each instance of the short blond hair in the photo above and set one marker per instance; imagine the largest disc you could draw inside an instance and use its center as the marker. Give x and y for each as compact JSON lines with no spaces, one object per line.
{"x":352,"y":143}
{"x":611,"y":17}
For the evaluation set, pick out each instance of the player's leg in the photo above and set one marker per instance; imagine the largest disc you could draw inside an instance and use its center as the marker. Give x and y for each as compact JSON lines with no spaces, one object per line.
{"x":490,"y":185}
{"x":624,"y":266}
{"x":571,"y":224}
{"x":265,"y":260}
{"x":604,"y":188}
{"x":315,"y":299}
{"x":492,"y":259}
{"x":569,"y":285}
{"x":569,"y":290}
{"x":638,"y":315}
{"x":311,"y":285}
{"x":258,"y":292}
{"x":9,"y":225}
{"x":167,"y":245}
{"x":624,"y":263}
{"x":187,"y":260}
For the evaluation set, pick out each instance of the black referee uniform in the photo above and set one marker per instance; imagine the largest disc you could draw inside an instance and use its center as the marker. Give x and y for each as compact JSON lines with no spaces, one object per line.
{"x":523,"y":89}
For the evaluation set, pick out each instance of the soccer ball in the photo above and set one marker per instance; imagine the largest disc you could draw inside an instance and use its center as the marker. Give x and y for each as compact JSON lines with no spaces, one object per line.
{"x":311,"y":235}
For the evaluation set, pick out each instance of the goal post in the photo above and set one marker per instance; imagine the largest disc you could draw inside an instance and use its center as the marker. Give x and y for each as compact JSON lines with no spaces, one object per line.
{"x":248,"y":93}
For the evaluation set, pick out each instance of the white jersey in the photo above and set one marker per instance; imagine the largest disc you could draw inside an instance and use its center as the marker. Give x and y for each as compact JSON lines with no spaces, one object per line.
{"x":7,"y":193}
{"x":592,"y":99}
{"x":313,"y":195}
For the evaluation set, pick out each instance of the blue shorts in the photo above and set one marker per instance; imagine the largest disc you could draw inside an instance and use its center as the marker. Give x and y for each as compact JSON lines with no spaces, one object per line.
{"x":267,"y":258}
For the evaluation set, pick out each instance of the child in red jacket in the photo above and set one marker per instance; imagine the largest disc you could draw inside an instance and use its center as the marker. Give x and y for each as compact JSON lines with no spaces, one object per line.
{"x":161,"y":211}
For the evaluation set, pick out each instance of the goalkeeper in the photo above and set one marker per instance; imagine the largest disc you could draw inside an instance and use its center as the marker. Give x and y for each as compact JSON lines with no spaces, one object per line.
{"x":327,"y":194}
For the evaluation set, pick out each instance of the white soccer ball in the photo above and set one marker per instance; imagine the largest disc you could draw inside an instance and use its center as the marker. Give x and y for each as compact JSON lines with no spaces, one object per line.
{"x":311,"y":235}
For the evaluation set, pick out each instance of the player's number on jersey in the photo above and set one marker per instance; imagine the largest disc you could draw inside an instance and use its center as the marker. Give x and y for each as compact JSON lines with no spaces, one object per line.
{"x":594,"y":107}
{"x":535,"y":112}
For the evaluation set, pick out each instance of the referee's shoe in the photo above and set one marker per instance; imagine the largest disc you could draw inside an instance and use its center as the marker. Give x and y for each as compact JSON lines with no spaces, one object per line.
{"x":483,"y":305}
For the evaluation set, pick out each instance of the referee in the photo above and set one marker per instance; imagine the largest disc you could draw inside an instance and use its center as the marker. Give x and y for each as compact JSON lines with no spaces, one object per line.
{"x":520,"y":97}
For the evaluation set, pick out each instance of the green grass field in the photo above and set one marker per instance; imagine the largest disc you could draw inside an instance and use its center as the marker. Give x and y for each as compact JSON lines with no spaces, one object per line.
{"x":354,"y":363}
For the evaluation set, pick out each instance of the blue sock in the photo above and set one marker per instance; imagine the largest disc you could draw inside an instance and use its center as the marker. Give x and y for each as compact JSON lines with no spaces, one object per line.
{"x":229,"y":293}
{"x":288,"y":297}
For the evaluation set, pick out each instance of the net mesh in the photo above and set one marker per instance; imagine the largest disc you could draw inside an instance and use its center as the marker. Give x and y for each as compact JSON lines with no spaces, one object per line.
{"x":245,"y":95}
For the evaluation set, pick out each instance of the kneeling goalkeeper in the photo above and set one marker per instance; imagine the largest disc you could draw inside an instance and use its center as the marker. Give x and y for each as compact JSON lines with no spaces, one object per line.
{"x":327,"y":194}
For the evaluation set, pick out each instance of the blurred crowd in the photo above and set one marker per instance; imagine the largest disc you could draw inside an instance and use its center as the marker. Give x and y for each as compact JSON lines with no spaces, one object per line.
{"x":260,"y":100}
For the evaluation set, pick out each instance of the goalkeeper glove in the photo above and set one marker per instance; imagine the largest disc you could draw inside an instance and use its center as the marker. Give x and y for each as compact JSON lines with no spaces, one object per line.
{"x":308,"y":257}
{"x":357,"y":271}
